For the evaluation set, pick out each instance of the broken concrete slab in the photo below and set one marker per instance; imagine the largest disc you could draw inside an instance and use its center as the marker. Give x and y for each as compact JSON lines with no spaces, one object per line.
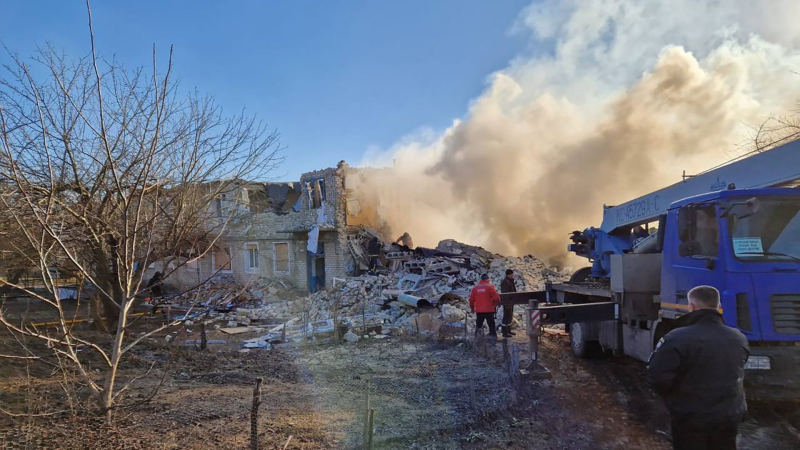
{"x":237,"y":330}
{"x":409,"y":282}
{"x":262,"y":342}
{"x":258,"y":344}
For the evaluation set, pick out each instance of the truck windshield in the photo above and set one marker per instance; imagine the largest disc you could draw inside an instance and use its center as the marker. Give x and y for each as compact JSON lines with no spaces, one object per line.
{"x":765,"y":228}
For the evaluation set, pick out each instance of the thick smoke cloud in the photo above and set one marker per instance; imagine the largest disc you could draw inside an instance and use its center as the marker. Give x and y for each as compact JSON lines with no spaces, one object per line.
{"x":612,"y":100}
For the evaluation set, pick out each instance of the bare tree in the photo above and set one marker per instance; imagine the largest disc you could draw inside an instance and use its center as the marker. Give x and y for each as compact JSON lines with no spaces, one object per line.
{"x":773,"y":131}
{"x":104,"y":170}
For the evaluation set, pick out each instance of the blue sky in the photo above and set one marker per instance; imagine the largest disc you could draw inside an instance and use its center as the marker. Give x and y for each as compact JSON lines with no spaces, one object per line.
{"x":334,"y":77}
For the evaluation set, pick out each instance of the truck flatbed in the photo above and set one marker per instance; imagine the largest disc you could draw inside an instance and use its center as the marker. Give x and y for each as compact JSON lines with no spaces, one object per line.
{"x":591,"y":289}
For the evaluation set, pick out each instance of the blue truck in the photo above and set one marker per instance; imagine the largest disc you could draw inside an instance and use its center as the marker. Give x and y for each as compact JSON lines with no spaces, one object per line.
{"x":736,"y":227}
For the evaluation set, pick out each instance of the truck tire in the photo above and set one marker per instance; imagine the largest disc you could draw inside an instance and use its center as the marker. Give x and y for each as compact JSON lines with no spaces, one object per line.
{"x":580,"y":346}
{"x":581,"y":275}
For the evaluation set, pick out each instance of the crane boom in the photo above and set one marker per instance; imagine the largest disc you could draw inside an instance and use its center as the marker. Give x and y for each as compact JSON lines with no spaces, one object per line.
{"x":775,"y":167}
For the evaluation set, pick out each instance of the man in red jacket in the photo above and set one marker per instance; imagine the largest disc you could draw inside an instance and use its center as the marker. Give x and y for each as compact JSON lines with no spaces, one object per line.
{"x":483,"y":300}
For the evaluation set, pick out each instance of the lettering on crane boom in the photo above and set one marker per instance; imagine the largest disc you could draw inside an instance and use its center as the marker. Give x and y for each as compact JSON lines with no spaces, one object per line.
{"x":718,"y":185}
{"x":646,"y":207}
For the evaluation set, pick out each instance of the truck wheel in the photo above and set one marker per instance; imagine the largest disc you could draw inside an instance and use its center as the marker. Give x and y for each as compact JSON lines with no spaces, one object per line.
{"x":581,"y":275}
{"x":580,"y":346}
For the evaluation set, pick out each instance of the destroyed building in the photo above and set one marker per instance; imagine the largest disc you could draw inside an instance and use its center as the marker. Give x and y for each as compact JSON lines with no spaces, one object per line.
{"x":296,"y":232}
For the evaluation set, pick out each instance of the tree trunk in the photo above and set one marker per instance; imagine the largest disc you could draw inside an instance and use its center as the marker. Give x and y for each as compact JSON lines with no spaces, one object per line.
{"x":116,"y":355}
{"x":106,"y":312}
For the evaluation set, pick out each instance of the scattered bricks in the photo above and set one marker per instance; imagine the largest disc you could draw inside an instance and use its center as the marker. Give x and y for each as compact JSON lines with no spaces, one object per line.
{"x":399,"y":255}
{"x":443,"y":267}
{"x":416,"y":264}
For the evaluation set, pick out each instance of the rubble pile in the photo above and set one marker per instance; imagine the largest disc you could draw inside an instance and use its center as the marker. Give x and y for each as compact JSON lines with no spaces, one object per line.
{"x":419,"y":292}
{"x":362,"y":295}
{"x":223,"y":292}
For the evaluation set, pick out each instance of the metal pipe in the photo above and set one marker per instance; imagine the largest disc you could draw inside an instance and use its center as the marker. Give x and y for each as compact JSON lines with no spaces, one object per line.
{"x":413,"y":301}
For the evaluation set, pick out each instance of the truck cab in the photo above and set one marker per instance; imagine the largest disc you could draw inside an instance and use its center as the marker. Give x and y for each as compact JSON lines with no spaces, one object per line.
{"x":746,"y":243}
{"x":735,"y":227}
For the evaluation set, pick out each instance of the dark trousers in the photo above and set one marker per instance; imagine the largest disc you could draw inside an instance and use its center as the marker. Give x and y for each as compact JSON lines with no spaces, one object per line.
{"x":489,"y":318}
{"x":685,"y":437}
{"x":508,"y":317}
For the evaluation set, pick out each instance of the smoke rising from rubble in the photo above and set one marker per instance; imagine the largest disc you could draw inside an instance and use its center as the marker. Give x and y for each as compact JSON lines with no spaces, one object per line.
{"x":632,"y":94}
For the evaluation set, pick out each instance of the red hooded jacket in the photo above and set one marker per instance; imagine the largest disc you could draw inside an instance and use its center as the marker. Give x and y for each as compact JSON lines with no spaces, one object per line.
{"x":484,"y":298}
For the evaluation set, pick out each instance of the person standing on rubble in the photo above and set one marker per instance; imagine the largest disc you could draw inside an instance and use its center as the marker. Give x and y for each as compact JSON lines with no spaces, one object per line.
{"x":406,"y":241}
{"x":699,"y":369}
{"x":374,"y":252}
{"x":155,"y":285}
{"x":508,"y":285}
{"x":483,"y":301}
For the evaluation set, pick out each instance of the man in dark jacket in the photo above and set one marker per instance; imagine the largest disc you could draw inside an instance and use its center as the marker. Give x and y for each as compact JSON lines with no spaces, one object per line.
{"x":508,"y":310}
{"x":374,"y":252}
{"x":155,"y":284}
{"x":699,"y":369}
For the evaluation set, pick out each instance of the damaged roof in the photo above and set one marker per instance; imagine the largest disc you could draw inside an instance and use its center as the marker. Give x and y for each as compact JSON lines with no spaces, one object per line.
{"x":278,"y":197}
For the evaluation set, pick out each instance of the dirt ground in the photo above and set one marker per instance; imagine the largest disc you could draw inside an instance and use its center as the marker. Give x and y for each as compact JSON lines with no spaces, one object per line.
{"x":425,"y":394}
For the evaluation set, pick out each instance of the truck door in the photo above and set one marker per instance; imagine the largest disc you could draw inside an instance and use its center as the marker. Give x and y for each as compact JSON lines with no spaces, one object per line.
{"x":697,"y":260}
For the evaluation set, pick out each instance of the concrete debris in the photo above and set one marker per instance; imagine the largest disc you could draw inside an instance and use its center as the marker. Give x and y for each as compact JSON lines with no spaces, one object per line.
{"x":259,"y":342}
{"x":222,"y":292}
{"x":421,"y":291}
{"x":236,"y":330}
{"x":452,"y":314}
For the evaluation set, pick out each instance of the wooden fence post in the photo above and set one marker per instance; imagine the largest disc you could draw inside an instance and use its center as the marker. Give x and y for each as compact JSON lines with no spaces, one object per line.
{"x":466,"y":317}
{"x":254,"y":414}
{"x":367,"y":410}
{"x":371,"y":428}
{"x":203,"y":337}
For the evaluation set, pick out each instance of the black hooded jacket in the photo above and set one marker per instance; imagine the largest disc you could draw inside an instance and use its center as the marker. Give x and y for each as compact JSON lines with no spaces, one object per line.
{"x":507,"y":285}
{"x":699,"y":369}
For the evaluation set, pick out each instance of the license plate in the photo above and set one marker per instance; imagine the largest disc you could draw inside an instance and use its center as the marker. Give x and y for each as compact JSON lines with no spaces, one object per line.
{"x":758,"y":363}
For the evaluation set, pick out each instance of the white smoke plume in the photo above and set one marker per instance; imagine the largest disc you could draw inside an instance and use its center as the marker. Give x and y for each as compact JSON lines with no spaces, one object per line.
{"x":613,"y":98}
